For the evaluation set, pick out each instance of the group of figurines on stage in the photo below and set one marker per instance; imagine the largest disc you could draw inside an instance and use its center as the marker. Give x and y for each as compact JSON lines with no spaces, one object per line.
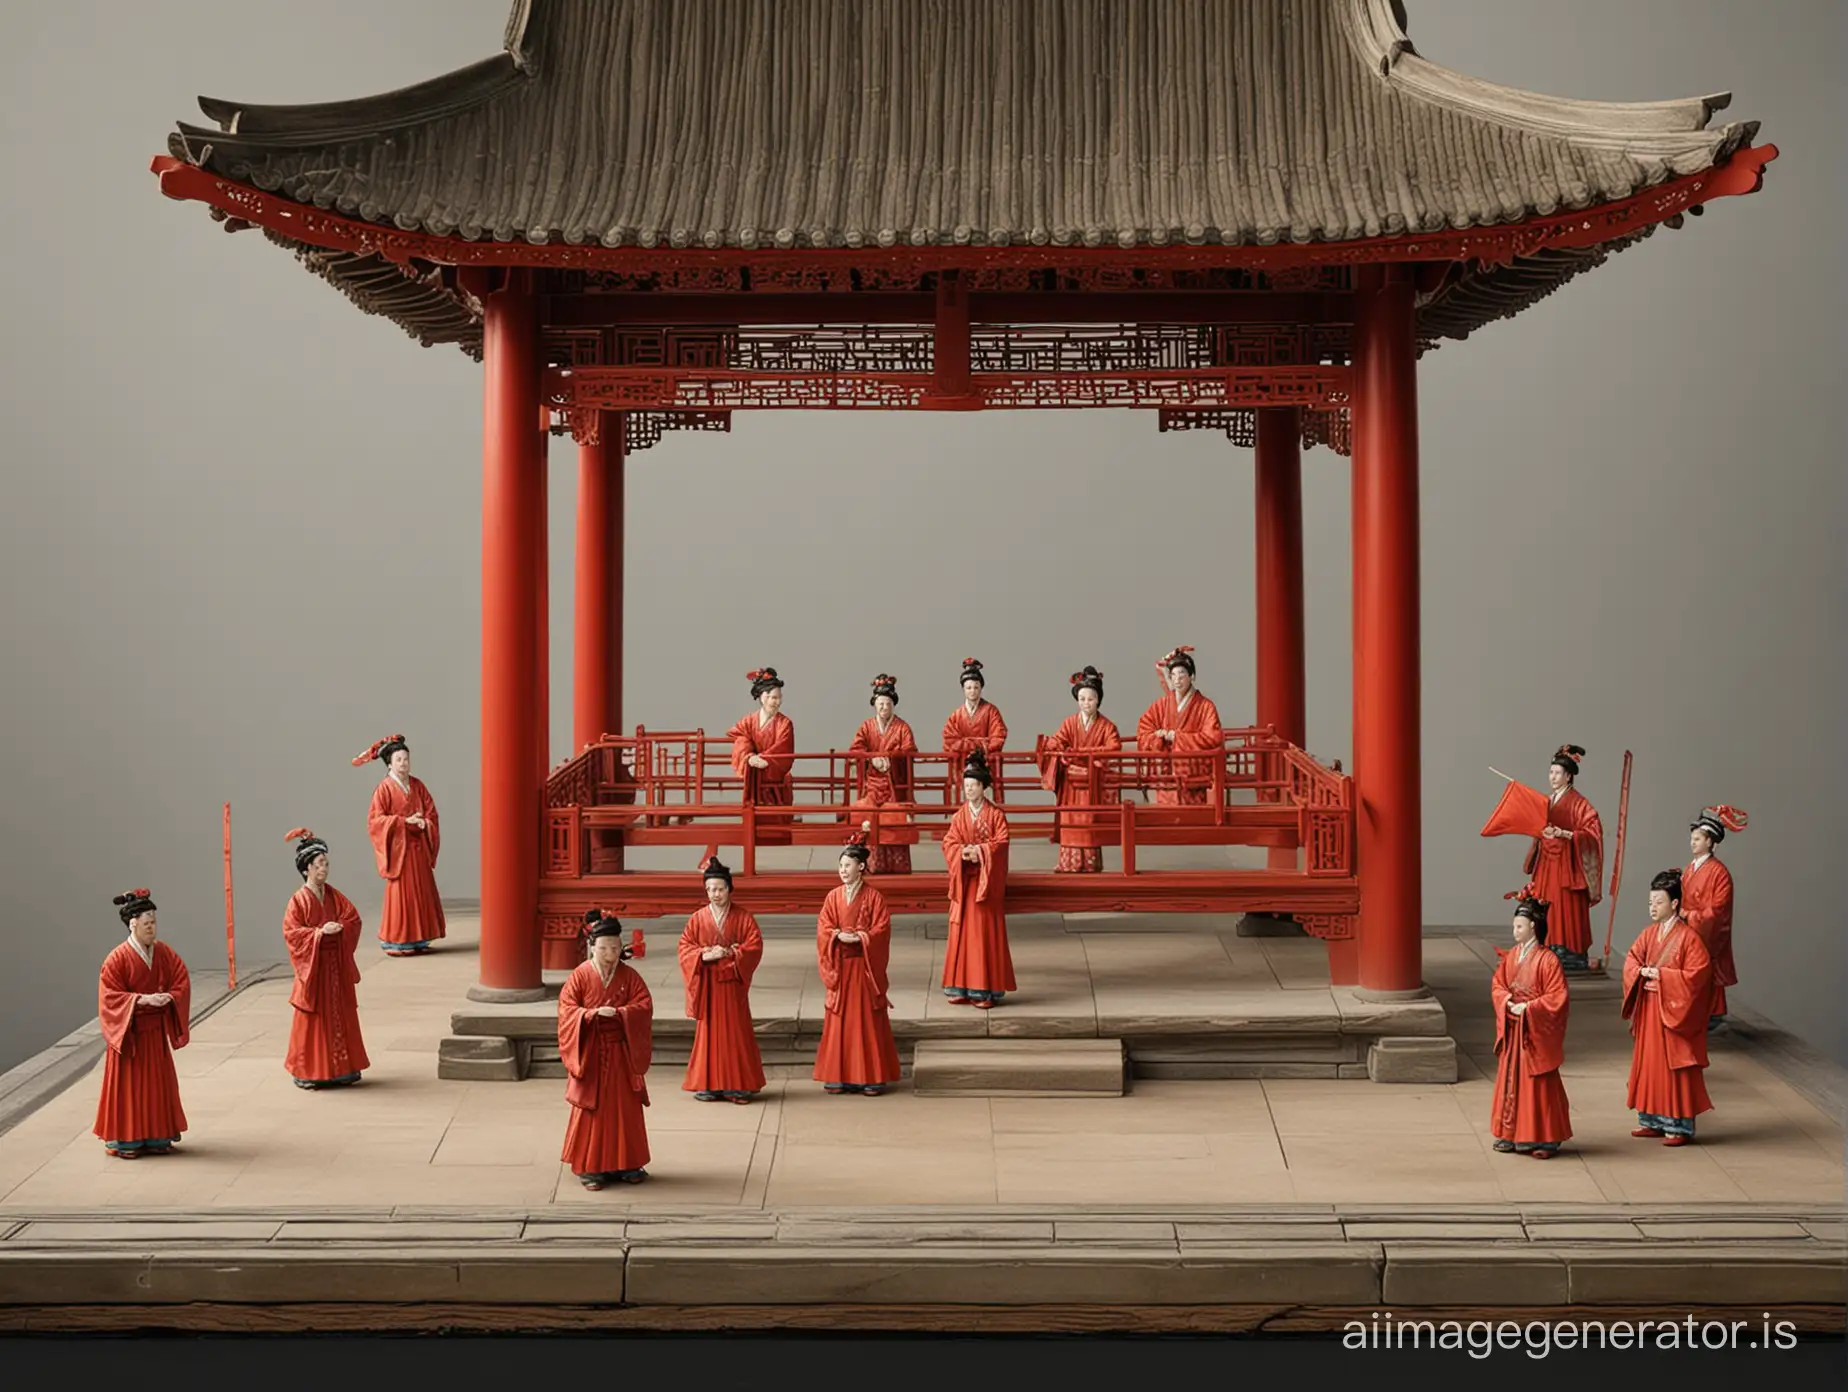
{"x":1182,"y":721}
{"x":1674,"y":980}
{"x":1674,"y":977}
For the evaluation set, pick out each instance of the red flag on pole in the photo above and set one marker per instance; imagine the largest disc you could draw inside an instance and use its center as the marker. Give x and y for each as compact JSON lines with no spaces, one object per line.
{"x":230,"y":921}
{"x":1623,"y":821}
{"x":1521,"y":811}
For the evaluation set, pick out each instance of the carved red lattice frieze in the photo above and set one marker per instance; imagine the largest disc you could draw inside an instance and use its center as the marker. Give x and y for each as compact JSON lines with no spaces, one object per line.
{"x":1330,"y":428}
{"x":1327,"y":927}
{"x":554,"y":927}
{"x":629,"y":389}
{"x":644,"y":429}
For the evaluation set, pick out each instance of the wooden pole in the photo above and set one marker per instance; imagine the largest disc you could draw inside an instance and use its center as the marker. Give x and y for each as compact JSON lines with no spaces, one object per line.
{"x":230,"y":917}
{"x":1623,"y":823}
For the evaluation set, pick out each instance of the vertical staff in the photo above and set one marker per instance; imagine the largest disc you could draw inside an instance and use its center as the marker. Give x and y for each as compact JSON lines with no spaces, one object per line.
{"x":1623,"y":821}
{"x":230,"y":920}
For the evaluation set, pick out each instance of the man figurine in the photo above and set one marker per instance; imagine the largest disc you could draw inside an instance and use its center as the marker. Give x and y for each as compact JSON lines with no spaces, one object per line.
{"x":406,"y":837}
{"x":1566,"y":860}
{"x":1667,"y":989}
{"x":1707,"y":899}
{"x":977,"y":966}
{"x":719,"y":952}
{"x":321,"y":928}
{"x":144,"y":1001}
{"x":975,"y":724}
{"x":606,"y":1040}
{"x":853,"y":945}
{"x":1530,"y":1115}
{"x":1183,"y":721}
{"x":763,"y":755}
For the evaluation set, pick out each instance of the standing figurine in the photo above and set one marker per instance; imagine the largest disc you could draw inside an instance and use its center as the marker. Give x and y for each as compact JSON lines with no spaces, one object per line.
{"x":1182,"y":721}
{"x":406,"y":837}
{"x":975,"y":724}
{"x":1667,"y":988}
{"x":144,"y":1002}
{"x":885,"y":776}
{"x":853,"y":945}
{"x":719,"y":953}
{"x":1065,"y":773}
{"x":763,"y":753}
{"x":1530,"y":1115}
{"x":321,"y":928}
{"x":1707,"y":899}
{"x":606,"y":1041}
{"x":977,"y":966}
{"x":1566,"y":860}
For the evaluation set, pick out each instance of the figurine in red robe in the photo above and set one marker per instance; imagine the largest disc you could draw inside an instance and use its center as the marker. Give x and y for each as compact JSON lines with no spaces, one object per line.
{"x":1530,"y":1114}
{"x":853,"y":945}
{"x":605,"y":1041}
{"x":406,"y":837}
{"x":1707,"y":899}
{"x":719,"y":953}
{"x":1667,"y":988}
{"x":1182,"y":722}
{"x":975,"y":724}
{"x":1066,"y":760}
{"x":321,"y":928}
{"x":977,"y":967}
{"x":1566,"y":861}
{"x":763,"y":754}
{"x":144,"y":1002}
{"x":888,"y":746}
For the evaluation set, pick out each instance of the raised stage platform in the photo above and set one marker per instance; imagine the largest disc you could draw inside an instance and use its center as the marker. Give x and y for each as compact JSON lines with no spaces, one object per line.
{"x":1186,"y":995}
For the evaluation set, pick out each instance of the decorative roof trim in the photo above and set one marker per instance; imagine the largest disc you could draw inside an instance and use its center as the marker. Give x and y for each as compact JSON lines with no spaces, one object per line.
{"x":1660,"y":129}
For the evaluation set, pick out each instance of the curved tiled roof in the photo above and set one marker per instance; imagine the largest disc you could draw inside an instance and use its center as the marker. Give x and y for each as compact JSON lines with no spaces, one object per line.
{"x":867,"y":123}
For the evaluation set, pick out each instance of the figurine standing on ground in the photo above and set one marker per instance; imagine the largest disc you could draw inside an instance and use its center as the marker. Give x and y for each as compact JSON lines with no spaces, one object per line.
{"x":406,"y":837}
{"x":763,"y":753}
{"x":719,"y":953}
{"x":1183,"y":721}
{"x":606,"y":1041}
{"x":321,"y":928}
{"x":1667,"y":988}
{"x":1530,"y":1115}
{"x":853,"y":944}
{"x":885,"y":776}
{"x":1707,"y":899}
{"x":144,"y":1002}
{"x":1066,"y":760}
{"x":977,"y":966}
{"x":1566,"y":860}
{"x":975,"y":724}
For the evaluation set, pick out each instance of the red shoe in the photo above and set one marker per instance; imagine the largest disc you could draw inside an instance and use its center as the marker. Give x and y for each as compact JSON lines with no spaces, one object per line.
{"x":1678,"y":1140}
{"x":1543,"y":1154}
{"x":961,"y":1000}
{"x":984,"y":1005}
{"x":1648,"y":1131}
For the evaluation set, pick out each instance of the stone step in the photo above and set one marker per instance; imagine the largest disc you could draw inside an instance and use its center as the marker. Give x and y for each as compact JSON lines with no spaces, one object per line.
{"x":1020,"y":1068}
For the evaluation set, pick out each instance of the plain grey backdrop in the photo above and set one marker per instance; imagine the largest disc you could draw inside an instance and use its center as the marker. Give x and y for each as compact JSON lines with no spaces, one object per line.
{"x":242,"y":520}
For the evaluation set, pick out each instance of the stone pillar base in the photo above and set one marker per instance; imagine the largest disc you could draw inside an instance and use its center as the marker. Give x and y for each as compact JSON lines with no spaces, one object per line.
{"x":1401,"y":1059}
{"x":482,"y":1059}
{"x":506,"y":995}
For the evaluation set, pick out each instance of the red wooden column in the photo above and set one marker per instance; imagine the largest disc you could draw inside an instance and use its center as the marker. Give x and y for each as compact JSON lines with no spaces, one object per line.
{"x":1279,"y":553}
{"x":542,"y":637}
{"x":596,"y":686}
{"x":512,"y":518}
{"x":1387,"y":782}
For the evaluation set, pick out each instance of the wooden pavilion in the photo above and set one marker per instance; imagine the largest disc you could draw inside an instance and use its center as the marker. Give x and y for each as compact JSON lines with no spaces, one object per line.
{"x":1241,"y":215}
